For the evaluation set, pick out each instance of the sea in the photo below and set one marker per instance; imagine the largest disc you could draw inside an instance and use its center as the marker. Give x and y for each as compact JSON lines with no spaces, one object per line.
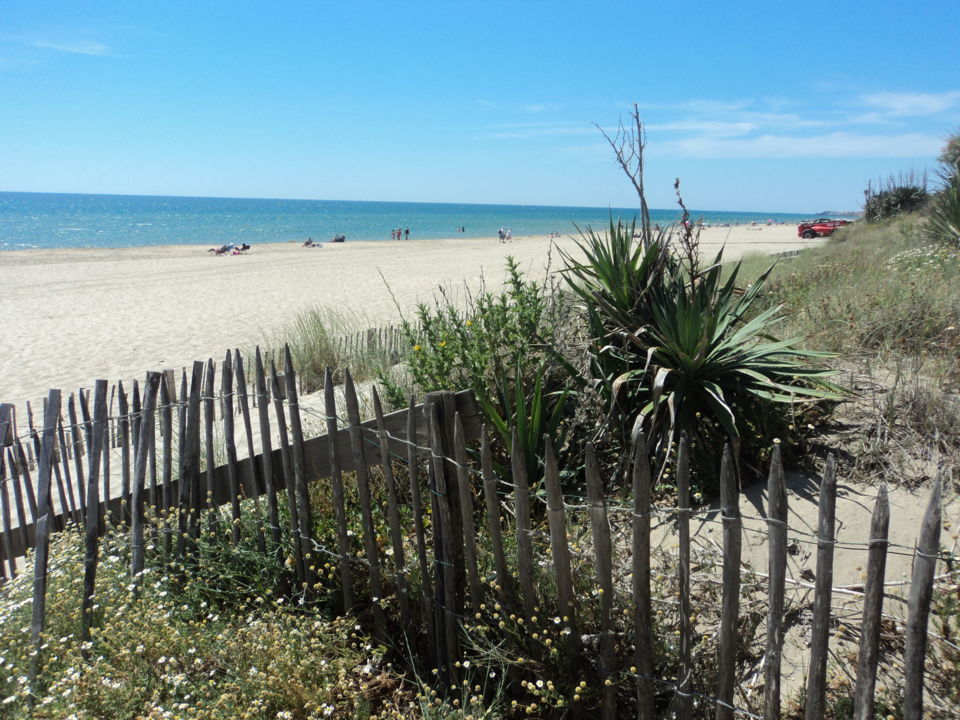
{"x":54,"y":220}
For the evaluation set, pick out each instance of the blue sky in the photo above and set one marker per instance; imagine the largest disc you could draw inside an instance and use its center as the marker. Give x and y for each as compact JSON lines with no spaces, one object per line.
{"x":762,"y":106}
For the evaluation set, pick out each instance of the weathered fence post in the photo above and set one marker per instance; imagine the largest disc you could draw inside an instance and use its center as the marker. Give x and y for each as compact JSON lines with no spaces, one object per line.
{"x":167,"y":393}
{"x":229,"y":442}
{"x":777,"y":569}
{"x":921,"y":595}
{"x":730,"y":510}
{"x":683,"y":700}
{"x":5,"y":504}
{"x":444,"y":556}
{"x":336,"y":481}
{"x":92,"y":530}
{"x":521,"y":490}
{"x":603,"y":558}
{"x":123,"y":408}
{"x":863,"y":702}
{"x":366,"y":505}
{"x":820,"y":634}
{"x":466,"y":512}
{"x":74,"y":512}
{"x":45,"y":461}
{"x":416,"y":508}
{"x":189,"y":483}
{"x":252,"y":490}
{"x":393,"y":511}
{"x":556,"y":515}
{"x":209,"y":415}
{"x":305,"y":512}
{"x":287,"y":474}
{"x":504,"y":581}
{"x":146,"y":427}
{"x":643,"y":609}
{"x":76,"y":438}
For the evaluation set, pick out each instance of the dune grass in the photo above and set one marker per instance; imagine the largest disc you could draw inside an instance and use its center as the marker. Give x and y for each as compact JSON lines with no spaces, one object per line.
{"x":320,"y":337}
{"x":873,"y":288}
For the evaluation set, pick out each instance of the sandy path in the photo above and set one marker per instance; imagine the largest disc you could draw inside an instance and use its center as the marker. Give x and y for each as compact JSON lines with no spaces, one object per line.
{"x":72,"y":316}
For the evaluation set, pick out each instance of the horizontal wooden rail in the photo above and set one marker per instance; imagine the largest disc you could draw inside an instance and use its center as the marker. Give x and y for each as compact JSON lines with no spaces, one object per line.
{"x":316,"y":457}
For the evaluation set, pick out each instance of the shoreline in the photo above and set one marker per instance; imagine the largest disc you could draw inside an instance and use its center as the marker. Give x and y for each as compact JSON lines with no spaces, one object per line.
{"x":74,"y":315}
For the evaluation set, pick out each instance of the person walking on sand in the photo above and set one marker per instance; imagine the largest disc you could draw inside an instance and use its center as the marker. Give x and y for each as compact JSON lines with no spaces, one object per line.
{"x":406,"y":234}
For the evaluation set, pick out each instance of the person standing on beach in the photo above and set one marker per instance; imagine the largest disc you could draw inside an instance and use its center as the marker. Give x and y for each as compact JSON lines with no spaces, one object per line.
{"x":406,"y":234}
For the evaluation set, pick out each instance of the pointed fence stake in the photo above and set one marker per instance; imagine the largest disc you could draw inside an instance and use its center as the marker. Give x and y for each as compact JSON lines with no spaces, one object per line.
{"x":777,"y":569}
{"x":863,"y":694}
{"x":820,"y":634}
{"x":921,"y":595}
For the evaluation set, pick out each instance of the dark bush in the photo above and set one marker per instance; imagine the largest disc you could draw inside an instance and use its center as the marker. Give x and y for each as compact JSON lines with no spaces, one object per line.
{"x":901,"y":194}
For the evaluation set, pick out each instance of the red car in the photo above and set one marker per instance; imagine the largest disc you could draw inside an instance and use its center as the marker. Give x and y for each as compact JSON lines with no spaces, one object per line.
{"x":822,"y":227}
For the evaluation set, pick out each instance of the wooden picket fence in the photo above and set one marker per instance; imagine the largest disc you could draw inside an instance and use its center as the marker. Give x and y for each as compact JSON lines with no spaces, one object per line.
{"x":483,"y":544}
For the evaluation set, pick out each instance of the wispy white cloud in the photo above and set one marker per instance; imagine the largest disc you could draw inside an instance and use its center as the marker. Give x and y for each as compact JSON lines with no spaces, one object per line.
{"x":522,"y":108}
{"x":515,"y":131}
{"x":904,"y":104}
{"x":540,"y":107}
{"x":7,"y":63}
{"x":830,"y":145}
{"x":77,"y":47}
{"x":716,"y":128}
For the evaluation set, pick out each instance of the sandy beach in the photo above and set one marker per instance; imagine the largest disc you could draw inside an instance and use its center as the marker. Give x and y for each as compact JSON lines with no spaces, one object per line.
{"x":73,"y":316}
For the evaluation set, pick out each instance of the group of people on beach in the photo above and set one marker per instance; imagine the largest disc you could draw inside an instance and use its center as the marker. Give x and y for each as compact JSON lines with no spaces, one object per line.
{"x":505,"y":235}
{"x":230,"y":249}
{"x":398,"y":234}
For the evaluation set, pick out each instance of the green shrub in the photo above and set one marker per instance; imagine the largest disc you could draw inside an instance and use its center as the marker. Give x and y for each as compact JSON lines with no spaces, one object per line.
{"x":678,"y":351}
{"x":898,"y":195}
{"x":880,"y":287}
{"x":500,"y":345}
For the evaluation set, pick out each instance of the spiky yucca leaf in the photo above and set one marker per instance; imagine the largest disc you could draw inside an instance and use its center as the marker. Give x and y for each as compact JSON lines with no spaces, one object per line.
{"x":705,"y":363}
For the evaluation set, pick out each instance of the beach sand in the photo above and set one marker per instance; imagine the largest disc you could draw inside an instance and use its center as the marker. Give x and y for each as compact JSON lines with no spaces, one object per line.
{"x":73,"y":316}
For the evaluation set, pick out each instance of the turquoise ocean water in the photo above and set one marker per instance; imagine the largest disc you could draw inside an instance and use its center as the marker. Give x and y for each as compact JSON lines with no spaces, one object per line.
{"x":46,"y":221}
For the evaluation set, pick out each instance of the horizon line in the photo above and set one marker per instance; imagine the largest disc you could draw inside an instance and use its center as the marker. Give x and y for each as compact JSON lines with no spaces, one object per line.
{"x":407,"y":202}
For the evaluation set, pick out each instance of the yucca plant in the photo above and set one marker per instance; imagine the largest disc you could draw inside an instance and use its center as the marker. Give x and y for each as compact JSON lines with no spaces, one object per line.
{"x":533,"y":414}
{"x":943,"y":216}
{"x":706,"y":367}
{"x":616,"y":272}
{"x":680,"y":351}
